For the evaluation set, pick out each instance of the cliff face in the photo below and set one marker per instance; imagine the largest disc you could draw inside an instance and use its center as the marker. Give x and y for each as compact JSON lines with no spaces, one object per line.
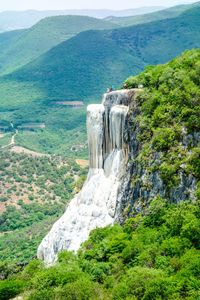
{"x":163,"y":134}
{"x":143,"y":144}
{"x":95,"y":205}
{"x":144,"y":180}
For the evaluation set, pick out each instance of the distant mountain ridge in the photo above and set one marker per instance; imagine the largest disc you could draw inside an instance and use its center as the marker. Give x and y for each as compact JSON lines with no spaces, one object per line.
{"x":163,"y":14}
{"x":12,"y":20}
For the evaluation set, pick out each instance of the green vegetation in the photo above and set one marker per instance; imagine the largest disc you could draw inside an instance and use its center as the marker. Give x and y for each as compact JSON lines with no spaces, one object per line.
{"x":5,"y":139}
{"x":168,"y":120}
{"x":31,"y":43}
{"x":168,"y":13}
{"x":154,"y":255}
{"x":19,"y":246}
{"x":81,"y":68}
{"x":34,"y":192}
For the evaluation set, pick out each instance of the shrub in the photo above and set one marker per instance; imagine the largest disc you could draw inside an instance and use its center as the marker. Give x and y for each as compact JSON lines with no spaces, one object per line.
{"x":10,"y":288}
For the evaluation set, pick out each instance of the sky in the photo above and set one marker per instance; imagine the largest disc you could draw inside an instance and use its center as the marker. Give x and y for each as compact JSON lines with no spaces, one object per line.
{"x":84,"y":4}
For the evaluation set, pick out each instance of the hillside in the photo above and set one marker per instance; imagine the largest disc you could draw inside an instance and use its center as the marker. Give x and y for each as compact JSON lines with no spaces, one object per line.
{"x":155,"y":253}
{"x":27,"y":45}
{"x":33,"y":193}
{"x":125,"y":49}
{"x":168,"y":13}
{"x":82,"y":68}
{"x":12,"y":20}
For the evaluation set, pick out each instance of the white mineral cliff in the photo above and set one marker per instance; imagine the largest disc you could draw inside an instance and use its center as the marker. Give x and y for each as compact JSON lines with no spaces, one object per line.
{"x":95,"y":205}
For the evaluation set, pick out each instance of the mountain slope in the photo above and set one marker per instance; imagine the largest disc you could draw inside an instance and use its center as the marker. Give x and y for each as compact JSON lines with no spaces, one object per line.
{"x":46,"y":34}
{"x":81,"y":69}
{"x":159,"y":41}
{"x":168,"y":13}
{"x":86,"y":64}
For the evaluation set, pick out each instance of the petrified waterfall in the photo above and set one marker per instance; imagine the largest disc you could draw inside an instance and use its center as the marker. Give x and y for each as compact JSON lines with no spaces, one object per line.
{"x":95,"y":205}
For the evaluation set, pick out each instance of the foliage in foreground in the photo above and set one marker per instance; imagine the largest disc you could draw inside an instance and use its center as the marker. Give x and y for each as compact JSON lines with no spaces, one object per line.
{"x":152,"y":256}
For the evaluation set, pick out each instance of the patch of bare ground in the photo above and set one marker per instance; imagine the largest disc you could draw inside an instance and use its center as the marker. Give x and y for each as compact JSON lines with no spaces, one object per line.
{"x":22,"y":150}
{"x":82,"y":163}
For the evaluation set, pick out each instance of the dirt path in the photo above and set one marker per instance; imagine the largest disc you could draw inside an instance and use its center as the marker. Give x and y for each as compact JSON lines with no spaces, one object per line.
{"x":12,"y":142}
{"x":18,"y":149}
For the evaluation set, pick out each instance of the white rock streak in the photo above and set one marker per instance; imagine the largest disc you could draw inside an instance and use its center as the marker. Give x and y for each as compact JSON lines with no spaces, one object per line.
{"x":95,"y":205}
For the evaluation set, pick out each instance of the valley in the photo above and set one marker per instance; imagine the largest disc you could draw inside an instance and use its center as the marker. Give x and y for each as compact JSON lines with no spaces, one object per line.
{"x":81,"y":69}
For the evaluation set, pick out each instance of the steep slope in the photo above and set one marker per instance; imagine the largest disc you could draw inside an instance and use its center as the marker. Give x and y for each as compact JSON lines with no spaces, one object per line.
{"x":164,"y":135}
{"x":8,"y":38}
{"x":46,"y":34}
{"x":168,"y":13}
{"x":79,"y":68}
{"x":158,"y":42}
{"x":143,"y":144}
{"x":12,"y":20}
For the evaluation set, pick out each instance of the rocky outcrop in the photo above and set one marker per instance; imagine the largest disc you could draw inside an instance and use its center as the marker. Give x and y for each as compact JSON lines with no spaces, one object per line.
{"x":142,"y":182}
{"x":119,"y":182}
{"x":95,"y":205}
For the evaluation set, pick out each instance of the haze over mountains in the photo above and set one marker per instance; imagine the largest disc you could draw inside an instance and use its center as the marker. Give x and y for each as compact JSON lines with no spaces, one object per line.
{"x":12,"y":20}
{"x":167,"y":13}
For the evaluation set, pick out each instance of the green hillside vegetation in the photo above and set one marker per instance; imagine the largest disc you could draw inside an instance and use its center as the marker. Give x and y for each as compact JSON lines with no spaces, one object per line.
{"x":85,"y":65}
{"x":40,"y":38}
{"x":155,"y":253}
{"x":8,"y":38}
{"x":152,"y":256}
{"x":169,"y":120}
{"x":34,"y":192}
{"x":168,"y":13}
{"x":82,"y":67}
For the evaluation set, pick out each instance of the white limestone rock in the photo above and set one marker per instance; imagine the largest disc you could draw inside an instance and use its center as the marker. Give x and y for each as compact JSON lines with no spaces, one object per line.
{"x":95,"y":205}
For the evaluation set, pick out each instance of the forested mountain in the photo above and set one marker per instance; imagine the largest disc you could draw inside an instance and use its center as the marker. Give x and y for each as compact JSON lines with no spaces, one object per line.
{"x":81,"y":69}
{"x":23,"y":46}
{"x":167,"y":13}
{"x":103,"y":57}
